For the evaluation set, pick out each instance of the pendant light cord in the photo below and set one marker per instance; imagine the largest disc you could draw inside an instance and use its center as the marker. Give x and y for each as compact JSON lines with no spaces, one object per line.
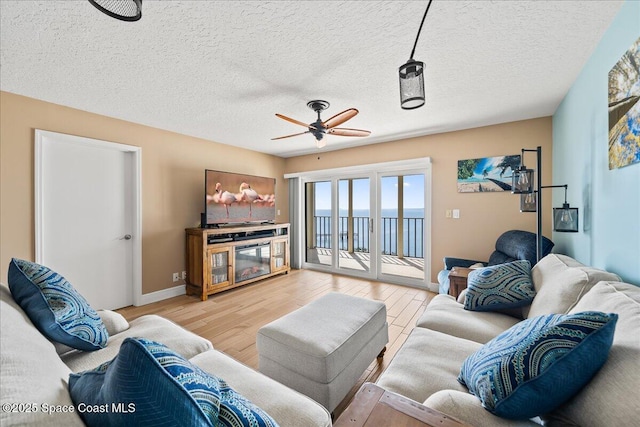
{"x":419,"y":30}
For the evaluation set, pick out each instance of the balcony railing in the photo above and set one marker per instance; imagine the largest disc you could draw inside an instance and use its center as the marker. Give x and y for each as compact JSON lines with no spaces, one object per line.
{"x":413,"y":234}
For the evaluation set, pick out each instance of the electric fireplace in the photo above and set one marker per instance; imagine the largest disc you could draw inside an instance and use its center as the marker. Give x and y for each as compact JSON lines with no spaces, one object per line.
{"x":252,"y":261}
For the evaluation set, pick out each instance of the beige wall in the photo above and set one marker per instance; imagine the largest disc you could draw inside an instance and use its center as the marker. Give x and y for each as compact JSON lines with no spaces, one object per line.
{"x":172,"y":180}
{"x":483,"y":216}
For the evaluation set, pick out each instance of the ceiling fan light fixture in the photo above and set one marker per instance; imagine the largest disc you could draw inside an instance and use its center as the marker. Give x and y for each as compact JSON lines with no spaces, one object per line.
{"x":412,"y":85}
{"x":319,"y":129}
{"x":124,"y":10}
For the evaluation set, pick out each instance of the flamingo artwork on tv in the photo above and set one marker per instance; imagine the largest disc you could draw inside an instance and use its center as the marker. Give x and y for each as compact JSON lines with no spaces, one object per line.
{"x":232,"y":198}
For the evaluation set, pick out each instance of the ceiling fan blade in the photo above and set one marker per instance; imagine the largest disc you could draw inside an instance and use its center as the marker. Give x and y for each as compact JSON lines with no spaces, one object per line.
{"x":348,"y":132}
{"x":340,"y":118}
{"x":289,"y":136}
{"x":294,"y":121}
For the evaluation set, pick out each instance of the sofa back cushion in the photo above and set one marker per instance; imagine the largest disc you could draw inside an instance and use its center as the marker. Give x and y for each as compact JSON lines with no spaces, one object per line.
{"x":610,"y":398}
{"x":560,"y":281}
{"x":32,"y":373}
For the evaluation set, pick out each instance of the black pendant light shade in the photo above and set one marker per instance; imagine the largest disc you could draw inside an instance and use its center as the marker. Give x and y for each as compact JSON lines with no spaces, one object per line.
{"x":125,"y":10}
{"x":565,"y":219}
{"x":412,"y":85}
{"x":522,"y":180}
{"x":412,"y":77}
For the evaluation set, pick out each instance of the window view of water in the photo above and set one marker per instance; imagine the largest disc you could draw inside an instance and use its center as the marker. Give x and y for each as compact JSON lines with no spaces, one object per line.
{"x":413,"y":235}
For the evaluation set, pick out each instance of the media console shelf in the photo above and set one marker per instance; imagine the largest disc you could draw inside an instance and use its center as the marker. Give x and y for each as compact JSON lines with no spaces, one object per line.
{"x":223,"y":258}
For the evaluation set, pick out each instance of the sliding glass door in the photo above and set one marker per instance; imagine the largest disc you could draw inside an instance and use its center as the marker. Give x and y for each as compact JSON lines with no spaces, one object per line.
{"x":318,"y":223}
{"x":368,"y":224}
{"x":402,"y":226}
{"x":354,"y":224}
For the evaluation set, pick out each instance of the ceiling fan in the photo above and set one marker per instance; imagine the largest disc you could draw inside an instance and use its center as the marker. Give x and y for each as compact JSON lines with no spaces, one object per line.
{"x":320,"y":128}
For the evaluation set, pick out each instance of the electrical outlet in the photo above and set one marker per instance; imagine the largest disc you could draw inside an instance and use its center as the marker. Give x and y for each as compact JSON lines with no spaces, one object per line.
{"x":184,"y":275}
{"x":456,"y":213}
{"x":176,"y":277}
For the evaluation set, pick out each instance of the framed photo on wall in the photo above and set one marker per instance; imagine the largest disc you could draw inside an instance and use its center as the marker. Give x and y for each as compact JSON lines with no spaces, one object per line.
{"x":487,"y":174}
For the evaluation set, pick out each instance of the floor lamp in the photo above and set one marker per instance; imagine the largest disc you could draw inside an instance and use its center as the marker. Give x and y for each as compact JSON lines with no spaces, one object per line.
{"x":565,"y":219}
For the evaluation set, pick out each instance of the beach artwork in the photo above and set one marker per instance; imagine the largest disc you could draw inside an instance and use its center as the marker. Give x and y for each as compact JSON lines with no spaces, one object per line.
{"x":488,"y":174}
{"x":624,"y":109}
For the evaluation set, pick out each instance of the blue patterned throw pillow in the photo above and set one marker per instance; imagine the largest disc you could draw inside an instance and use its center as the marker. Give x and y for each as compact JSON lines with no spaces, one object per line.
{"x":237,"y":411}
{"x":500,"y":287}
{"x":148,"y":384}
{"x":540,"y":363}
{"x":55,"y":307}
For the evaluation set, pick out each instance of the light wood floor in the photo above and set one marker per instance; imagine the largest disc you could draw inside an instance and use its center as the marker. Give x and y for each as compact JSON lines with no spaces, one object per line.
{"x":230,"y":320}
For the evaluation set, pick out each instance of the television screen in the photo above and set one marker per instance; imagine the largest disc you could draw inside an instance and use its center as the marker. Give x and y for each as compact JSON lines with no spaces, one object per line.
{"x":236,"y":198}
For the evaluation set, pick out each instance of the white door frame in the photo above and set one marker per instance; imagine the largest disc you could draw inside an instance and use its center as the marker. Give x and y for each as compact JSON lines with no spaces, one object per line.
{"x":136,"y":219}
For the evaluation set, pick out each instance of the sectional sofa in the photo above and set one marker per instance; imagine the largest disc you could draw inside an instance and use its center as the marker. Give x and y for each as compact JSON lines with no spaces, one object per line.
{"x":35,"y":372}
{"x":427,"y":366}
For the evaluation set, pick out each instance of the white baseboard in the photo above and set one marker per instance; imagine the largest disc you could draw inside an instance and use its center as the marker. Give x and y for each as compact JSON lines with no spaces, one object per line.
{"x":162,"y":295}
{"x":433,"y":287}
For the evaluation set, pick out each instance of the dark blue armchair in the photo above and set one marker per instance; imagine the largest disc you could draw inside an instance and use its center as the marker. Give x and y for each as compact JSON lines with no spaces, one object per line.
{"x":511,"y":245}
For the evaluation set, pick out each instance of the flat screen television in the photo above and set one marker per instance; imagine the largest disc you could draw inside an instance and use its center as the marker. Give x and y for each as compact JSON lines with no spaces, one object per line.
{"x":232,"y":198}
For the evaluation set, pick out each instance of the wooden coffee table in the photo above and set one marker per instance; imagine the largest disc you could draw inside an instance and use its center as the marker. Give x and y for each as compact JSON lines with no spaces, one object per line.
{"x":458,"y":280}
{"x":374,"y":406}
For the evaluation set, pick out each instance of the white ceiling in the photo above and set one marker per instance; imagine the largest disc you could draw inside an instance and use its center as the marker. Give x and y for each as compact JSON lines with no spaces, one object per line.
{"x":219,"y":70}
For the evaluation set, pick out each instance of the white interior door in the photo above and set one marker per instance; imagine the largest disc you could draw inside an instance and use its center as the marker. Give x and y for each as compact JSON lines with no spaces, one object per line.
{"x":87,"y":216}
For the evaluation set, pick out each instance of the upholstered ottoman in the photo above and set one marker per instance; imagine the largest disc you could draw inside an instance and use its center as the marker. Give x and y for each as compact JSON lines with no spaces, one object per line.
{"x":323,"y":348}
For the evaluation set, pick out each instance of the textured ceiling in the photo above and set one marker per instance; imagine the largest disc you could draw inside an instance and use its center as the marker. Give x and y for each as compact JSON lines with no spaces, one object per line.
{"x":219,"y":70}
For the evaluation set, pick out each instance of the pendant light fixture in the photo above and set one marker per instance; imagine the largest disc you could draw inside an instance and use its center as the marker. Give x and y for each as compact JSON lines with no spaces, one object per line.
{"x":124,"y":10}
{"x":412,"y":77}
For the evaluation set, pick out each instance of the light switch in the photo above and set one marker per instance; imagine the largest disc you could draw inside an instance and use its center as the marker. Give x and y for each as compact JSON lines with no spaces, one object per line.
{"x":447,"y":214}
{"x":456,"y":213}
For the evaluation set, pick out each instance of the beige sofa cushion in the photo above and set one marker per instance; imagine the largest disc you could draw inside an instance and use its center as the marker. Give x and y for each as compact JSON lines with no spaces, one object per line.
{"x":428,"y":362}
{"x":287,"y":407}
{"x":560,"y":282}
{"x":152,"y":327}
{"x":444,"y":314}
{"x":467,"y":408}
{"x":114,"y":322}
{"x":610,"y":399}
{"x":32,"y":372}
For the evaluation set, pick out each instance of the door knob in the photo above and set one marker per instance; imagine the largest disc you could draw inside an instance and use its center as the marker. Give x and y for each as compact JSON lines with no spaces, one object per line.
{"x":126,"y":237}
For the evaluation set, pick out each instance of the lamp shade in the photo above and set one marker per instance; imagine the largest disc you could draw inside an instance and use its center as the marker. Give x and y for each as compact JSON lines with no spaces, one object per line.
{"x":412,"y":85}
{"x":124,"y":10}
{"x":528,"y":202}
{"x":565,"y":219}
{"x":522,"y":180}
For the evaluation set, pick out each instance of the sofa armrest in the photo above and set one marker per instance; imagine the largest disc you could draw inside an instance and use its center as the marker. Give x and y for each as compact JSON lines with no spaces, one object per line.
{"x":450,"y":262}
{"x":114,"y":322}
{"x":466,"y":407}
